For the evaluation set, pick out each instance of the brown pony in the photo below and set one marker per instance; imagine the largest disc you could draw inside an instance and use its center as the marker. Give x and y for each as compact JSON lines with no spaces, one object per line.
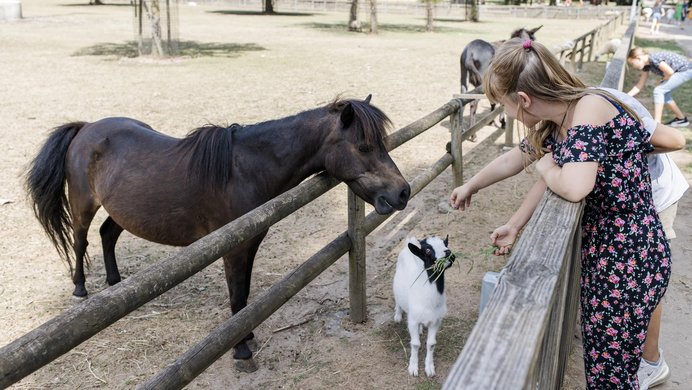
{"x":175,"y":191}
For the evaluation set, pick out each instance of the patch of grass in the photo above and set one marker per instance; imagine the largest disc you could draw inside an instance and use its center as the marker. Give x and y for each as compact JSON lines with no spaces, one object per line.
{"x":428,"y":384}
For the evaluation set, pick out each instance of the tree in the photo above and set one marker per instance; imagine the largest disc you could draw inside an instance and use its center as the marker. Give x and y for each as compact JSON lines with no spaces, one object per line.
{"x":474,"y":11}
{"x":429,"y":8}
{"x":268,"y":6}
{"x":373,"y":16}
{"x":353,"y":22}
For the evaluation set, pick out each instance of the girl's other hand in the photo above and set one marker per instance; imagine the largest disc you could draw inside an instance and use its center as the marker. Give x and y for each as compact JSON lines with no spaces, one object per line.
{"x":503,"y":238}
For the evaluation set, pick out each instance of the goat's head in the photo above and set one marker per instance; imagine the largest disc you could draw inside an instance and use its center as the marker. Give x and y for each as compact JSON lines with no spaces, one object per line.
{"x":430,"y":250}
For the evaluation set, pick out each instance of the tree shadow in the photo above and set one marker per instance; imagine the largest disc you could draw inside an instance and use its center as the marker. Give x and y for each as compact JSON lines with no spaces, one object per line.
{"x":387,"y":27}
{"x":86,"y":4}
{"x":185,"y":49}
{"x":256,"y":13}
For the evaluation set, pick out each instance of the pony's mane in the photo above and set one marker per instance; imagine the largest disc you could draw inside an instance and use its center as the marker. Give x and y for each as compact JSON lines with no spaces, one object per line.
{"x":209,"y":149}
{"x":369,"y":120}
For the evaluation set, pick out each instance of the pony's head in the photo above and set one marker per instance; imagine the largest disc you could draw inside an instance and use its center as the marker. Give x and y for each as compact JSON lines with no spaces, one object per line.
{"x":525,"y":33}
{"x":357,"y":155}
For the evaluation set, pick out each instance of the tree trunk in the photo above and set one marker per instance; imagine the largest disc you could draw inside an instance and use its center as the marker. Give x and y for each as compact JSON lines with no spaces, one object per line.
{"x":269,"y":7}
{"x":353,"y":23}
{"x":373,"y":16}
{"x":474,"y":11}
{"x":429,"y":15}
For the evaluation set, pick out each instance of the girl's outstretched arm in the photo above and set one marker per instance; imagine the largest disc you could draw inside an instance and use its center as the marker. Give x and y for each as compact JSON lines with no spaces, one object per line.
{"x":640,"y":84}
{"x":502,"y":167}
{"x":573,"y":181}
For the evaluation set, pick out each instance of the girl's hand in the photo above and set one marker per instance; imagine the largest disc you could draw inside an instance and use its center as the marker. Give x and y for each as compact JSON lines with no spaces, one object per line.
{"x":545,"y":164}
{"x":461,"y":197}
{"x":503,"y":238}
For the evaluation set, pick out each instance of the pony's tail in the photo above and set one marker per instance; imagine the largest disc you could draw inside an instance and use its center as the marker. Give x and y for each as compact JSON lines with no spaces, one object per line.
{"x":45,"y":185}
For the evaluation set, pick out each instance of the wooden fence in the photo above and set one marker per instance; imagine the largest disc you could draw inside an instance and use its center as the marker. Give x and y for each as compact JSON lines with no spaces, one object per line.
{"x":583,"y":47}
{"x":523,"y":338}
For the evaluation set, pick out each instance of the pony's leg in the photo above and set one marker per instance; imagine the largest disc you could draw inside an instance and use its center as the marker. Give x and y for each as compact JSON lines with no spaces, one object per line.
{"x":110,"y":231}
{"x":473,"y":107}
{"x":430,"y":345}
{"x":238,"y":269}
{"x":414,"y":332}
{"x":80,"y":226}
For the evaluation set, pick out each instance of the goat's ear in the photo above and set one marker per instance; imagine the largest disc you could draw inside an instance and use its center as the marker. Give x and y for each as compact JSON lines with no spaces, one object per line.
{"x":416,"y":250}
{"x":347,"y":115}
{"x":446,"y":241}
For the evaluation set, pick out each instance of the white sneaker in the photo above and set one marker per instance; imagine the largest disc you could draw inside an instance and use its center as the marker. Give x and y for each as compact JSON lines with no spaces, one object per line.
{"x":652,"y":375}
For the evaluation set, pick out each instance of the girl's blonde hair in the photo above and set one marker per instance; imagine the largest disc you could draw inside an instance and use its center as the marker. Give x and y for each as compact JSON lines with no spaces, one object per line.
{"x":528,"y":66}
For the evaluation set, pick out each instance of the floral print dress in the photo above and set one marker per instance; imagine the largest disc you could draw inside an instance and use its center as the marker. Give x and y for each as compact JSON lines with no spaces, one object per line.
{"x":625,"y":255}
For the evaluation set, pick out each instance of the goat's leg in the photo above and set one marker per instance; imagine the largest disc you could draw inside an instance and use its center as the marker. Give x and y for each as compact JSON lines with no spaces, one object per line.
{"x":398,"y":312}
{"x":414,"y":332}
{"x":430,"y":345}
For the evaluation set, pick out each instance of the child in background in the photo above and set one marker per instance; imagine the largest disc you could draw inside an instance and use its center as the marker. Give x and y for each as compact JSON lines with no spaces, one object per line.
{"x":675,"y":70}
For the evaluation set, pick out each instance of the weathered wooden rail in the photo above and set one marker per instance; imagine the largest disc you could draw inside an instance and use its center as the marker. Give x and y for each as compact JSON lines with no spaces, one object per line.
{"x":523,"y":338}
{"x":584,"y":46}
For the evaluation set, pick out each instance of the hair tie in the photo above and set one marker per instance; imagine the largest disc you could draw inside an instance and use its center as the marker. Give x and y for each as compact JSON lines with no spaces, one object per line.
{"x":527,"y":44}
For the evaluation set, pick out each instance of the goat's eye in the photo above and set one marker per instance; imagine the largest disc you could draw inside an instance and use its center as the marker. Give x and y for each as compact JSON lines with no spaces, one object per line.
{"x":428,"y":252}
{"x":363,"y":148}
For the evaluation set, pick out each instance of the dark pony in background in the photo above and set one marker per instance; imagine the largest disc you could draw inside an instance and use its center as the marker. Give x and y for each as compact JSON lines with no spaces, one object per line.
{"x":174,"y":191}
{"x":474,"y":61}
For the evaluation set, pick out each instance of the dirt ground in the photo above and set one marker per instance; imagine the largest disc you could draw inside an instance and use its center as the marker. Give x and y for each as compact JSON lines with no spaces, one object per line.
{"x":64,"y":62}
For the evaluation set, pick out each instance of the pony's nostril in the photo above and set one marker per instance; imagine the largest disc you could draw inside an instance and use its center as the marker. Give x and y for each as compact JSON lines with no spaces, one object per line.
{"x":403,"y":197}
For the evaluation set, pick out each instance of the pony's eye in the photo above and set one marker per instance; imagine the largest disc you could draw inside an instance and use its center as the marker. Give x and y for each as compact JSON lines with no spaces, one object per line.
{"x":364,"y":148}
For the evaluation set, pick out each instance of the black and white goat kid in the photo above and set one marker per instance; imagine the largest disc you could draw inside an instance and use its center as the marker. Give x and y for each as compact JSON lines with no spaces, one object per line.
{"x":419,"y":291}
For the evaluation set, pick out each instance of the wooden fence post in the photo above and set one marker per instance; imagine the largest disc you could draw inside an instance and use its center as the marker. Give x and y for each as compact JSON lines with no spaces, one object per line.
{"x":356,"y":258}
{"x":456,"y":121}
{"x":509,"y":131}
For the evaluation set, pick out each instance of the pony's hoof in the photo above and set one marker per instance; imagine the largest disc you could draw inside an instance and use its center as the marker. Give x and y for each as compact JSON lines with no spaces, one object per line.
{"x":252,"y":344}
{"x":245,"y":365}
{"x":76,"y":299}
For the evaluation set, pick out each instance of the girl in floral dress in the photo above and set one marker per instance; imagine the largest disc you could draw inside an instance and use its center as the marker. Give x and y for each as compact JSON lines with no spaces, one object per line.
{"x":588,"y":146}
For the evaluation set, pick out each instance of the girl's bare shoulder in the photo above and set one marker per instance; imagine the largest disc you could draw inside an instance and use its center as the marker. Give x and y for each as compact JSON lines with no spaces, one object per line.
{"x":593,"y":109}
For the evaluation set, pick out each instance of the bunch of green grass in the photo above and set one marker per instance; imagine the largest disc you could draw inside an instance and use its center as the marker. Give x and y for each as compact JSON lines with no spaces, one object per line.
{"x":438,"y":267}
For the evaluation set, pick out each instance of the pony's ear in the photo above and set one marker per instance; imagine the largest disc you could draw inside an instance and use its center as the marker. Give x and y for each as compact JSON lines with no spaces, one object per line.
{"x":347,"y":115}
{"x":367,"y":99}
{"x":533,"y":31}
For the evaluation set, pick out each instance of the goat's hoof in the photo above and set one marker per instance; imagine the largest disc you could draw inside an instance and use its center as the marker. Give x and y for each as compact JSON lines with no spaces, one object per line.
{"x":245,"y":365}
{"x":430,"y":371}
{"x":413,"y":371}
{"x":397,"y":317}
